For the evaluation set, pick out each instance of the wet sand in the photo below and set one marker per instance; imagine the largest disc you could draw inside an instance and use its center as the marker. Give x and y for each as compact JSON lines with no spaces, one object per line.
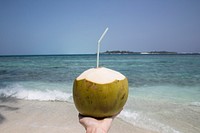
{"x":24,"y":116}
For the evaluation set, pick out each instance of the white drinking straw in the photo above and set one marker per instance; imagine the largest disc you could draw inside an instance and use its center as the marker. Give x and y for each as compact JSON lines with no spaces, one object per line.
{"x":98,"y":49}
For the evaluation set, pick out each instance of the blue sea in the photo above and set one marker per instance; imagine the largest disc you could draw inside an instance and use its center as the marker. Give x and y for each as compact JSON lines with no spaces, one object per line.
{"x":164,"y":90}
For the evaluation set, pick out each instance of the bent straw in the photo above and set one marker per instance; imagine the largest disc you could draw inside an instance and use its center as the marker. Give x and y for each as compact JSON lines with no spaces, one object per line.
{"x":98,"y":49}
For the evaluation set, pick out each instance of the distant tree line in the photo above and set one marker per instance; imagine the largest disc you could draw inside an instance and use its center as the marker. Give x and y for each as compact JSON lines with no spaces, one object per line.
{"x":120,"y":52}
{"x":151,"y":52}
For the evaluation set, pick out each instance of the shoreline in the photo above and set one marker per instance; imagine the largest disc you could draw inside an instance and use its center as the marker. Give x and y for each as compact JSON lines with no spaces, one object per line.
{"x":49,"y":116}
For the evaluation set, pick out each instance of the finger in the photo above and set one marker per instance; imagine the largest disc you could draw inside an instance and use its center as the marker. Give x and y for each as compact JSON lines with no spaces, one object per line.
{"x":80,"y":116}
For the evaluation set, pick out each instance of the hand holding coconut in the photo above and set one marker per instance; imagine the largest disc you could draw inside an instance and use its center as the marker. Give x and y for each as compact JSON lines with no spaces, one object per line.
{"x":100,"y":93}
{"x":93,"y":125}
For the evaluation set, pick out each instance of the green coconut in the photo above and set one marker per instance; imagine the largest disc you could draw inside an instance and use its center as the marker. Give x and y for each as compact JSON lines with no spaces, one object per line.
{"x":100,"y":92}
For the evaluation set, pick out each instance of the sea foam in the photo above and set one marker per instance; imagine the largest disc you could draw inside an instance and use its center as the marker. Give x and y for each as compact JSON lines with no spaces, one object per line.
{"x":197,"y":104}
{"x":141,"y":120}
{"x":20,"y":92}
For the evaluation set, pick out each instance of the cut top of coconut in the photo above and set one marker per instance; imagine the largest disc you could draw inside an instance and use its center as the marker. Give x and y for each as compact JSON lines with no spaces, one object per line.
{"x":101,"y":75}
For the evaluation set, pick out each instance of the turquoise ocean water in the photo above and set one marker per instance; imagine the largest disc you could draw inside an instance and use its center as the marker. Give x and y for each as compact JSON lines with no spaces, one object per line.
{"x":164,"y":90}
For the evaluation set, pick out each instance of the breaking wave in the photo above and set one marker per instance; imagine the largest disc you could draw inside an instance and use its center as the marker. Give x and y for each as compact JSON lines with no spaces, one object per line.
{"x":140,"y":120}
{"x":20,"y":92}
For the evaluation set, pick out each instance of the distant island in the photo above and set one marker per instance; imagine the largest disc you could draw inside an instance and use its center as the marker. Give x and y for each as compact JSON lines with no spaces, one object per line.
{"x":120,"y":52}
{"x":151,"y":52}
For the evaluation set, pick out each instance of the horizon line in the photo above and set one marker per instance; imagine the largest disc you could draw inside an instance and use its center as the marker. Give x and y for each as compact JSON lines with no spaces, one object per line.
{"x":103,"y":53}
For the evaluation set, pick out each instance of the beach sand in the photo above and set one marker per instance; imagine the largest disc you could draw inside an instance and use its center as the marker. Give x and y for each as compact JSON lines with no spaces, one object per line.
{"x":22,"y":116}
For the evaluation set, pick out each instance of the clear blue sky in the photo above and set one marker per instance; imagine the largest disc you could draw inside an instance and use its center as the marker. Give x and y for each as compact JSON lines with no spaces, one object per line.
{"x":74,"y":26}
